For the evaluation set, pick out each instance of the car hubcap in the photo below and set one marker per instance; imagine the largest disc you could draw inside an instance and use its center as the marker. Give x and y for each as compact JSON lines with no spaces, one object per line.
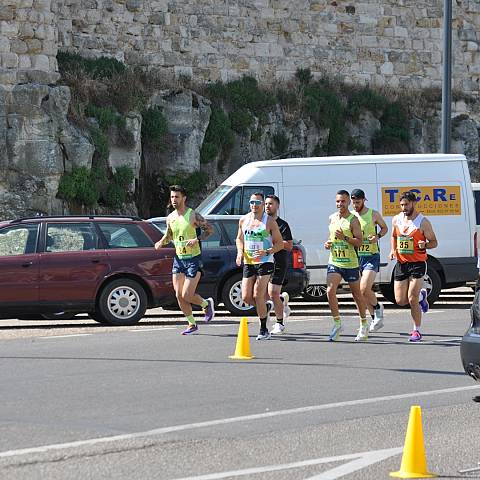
{"x":236,"y":297}
{"x":316,"y":290}
{"x":123,"y":302}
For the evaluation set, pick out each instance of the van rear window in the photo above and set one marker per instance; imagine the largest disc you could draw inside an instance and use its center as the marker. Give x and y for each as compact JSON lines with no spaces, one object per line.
{"x":476,"y":195}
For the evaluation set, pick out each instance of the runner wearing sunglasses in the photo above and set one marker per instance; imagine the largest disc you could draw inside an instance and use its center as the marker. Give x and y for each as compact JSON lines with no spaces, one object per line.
{"x":258,"y":239}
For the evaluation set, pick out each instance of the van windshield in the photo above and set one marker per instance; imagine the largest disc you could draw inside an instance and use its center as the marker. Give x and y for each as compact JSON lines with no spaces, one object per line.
{"x":207,"y":205}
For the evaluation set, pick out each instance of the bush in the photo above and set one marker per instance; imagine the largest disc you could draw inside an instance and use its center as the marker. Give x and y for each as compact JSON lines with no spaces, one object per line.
{"x":280,"y":143}
{"x":241,"y":120}
{"x":304,"y":75}
{"x":123,"y":176}
{"x":115,"y":195}
{"x":365,"y":99}
{"x":218,"y":137}
{"x":154,"y":128}
{"x":322,"y":105}
{"x":193,"y":183}
{"x":79,"y":187}
{"x":100,"y":142}
{"x":102,"y":67}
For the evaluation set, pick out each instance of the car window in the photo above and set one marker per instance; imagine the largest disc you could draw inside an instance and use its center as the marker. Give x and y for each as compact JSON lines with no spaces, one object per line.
{"x":215,"y":239}
{"x":237,"y":202}
{"x":124,"y":235}
{"x":18,"y":240}
{"x":71,"y":237}
{"x":231,"y":227}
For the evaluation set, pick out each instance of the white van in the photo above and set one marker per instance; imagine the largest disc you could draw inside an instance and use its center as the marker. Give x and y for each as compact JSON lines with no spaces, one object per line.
{"x":307,"y":187}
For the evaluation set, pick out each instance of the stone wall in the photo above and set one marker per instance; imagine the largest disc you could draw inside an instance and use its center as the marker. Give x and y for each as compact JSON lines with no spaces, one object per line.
{"x":28,"y":41}
{"x":392,"y":42}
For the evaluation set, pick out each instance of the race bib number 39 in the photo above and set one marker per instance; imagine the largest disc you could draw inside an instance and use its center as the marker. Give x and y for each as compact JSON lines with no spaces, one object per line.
{"x":405,"y":245}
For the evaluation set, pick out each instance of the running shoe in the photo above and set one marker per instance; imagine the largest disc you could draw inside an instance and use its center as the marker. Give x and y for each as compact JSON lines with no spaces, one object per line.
{"x":415,"y":336}
{"x":377,"y":322}
{"x":336,"y":331}
{"x":190,"y":329}
{"x":285,"y":298}
{"x":423,"y":300}
{"x":362,"y":335}
{"x":278,"y":329}
{"x":209,"y":310}
{"x":263,"y":335}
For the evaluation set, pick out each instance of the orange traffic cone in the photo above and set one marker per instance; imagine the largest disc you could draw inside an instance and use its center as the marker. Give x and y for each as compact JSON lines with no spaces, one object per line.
{"x":414,"y":461}
{"x":242,"y":349}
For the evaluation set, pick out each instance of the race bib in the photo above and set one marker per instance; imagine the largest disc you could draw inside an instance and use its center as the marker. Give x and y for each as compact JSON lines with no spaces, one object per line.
{"x":182,"y":249}
{"x":251,"y":246}
{"x":405,"y":245}
{"x":365,"y":248}
{"x":340,"y":252}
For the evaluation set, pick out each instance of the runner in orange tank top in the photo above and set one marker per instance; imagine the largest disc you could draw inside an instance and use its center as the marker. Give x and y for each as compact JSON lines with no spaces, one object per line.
{"x":412,"y":234}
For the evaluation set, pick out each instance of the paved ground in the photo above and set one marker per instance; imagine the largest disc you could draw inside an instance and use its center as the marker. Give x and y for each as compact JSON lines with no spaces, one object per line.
{"x":86,"y":401}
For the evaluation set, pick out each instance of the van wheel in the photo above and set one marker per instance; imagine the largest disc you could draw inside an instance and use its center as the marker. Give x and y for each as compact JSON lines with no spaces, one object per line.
{"x":432,"y":283}
{"x":122,"y":302}
{"x":315,"y":293}
{"x":232,"y":296}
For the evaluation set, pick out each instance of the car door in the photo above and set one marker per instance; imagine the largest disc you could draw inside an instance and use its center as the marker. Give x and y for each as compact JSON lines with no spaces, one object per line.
{"x":71,"y":265}
{"x":19,"y":266}
{"x":214,"y":259}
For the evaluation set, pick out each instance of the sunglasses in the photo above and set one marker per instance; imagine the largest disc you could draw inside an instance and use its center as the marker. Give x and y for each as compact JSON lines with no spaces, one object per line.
{"x":255,"y":202}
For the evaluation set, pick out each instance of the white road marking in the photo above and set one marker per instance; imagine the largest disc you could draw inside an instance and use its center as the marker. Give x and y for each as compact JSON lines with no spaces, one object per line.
{"x":364,"y":459}
{"x":229,"y":420}
{"x":47,"y":337}
{"x":369,"y":458}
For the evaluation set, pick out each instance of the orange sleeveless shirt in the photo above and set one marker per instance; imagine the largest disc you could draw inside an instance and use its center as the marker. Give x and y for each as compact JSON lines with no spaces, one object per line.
{"x":408,"y":235}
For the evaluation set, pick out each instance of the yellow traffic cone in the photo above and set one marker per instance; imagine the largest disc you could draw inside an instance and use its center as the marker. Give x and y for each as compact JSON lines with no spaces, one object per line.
{"x":414,"y":461}
{"x":242,"y":349}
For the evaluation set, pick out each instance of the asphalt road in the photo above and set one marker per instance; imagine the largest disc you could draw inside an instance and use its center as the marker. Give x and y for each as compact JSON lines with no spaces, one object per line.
{"x":81,"y":400}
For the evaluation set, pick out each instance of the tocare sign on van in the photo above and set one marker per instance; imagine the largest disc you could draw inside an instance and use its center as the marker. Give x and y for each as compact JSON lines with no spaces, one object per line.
{"x":432,"y":200}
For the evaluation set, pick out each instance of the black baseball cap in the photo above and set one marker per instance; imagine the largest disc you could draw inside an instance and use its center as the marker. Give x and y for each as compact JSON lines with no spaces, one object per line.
{"x":357,"y":193}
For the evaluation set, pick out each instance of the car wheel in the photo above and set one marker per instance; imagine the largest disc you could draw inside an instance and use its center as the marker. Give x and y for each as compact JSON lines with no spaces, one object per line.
{"x":122,"y":302}
{"x":232,"y":296}
{"x":59,"y":315}
{"x":315,"y":293}
{"x":97,"y":317}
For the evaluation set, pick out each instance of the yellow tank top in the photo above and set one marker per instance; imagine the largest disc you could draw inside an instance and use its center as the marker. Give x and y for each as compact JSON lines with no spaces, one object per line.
{"x":368,"y":228}
{"x":342,"y":254}
{"x":183,"y":231}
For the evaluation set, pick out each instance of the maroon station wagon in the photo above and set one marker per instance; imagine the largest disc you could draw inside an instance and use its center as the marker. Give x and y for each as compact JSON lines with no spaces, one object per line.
{"x":54,"y":267}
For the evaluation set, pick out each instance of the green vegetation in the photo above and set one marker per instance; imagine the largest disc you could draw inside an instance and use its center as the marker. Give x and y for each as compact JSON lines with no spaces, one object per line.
{"x":154,"y":128}
{"x":393,"y":133}
{"x":241,"y":120}
{"x":84,"y":187}
{"x":193,"y":183}
{"x":102,"y":67}
{"x":100,"y":142}
{"x":280,"y":143}
{"x":218,"y":137}
{"x":365,"y":99}
{"x":304,"y":76}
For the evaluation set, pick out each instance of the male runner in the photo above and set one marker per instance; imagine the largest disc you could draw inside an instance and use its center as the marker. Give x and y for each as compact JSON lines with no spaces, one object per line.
{"x":345,"y":236}
{"x":258,"y":239}
{"x":280,"y":300}
{"x":369,"y":254}
{"x":412,"y":234}
{"x":186,"y":270}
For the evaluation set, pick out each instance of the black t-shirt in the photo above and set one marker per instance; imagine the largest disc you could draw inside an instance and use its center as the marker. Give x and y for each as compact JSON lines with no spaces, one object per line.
{"x":281,"y":256}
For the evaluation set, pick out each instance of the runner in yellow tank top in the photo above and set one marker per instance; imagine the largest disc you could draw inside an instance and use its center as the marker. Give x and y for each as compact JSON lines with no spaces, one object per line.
{"x":369,"y":254}
{"x":186,"y":270}
{"x":345,"y":237}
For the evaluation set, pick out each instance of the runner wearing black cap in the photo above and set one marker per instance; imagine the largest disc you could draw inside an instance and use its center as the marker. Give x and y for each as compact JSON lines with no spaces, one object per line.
{"x":369,"y":254}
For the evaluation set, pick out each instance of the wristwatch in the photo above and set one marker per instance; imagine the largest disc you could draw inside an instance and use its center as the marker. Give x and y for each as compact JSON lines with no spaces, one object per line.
{"x":346,"y":238}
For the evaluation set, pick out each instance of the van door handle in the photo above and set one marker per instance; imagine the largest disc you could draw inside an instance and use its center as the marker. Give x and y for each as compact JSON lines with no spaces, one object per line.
{"x":27,"y":264}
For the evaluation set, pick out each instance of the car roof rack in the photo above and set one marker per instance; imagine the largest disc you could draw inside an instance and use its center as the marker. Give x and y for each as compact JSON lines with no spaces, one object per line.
{"x":92,"y":217}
